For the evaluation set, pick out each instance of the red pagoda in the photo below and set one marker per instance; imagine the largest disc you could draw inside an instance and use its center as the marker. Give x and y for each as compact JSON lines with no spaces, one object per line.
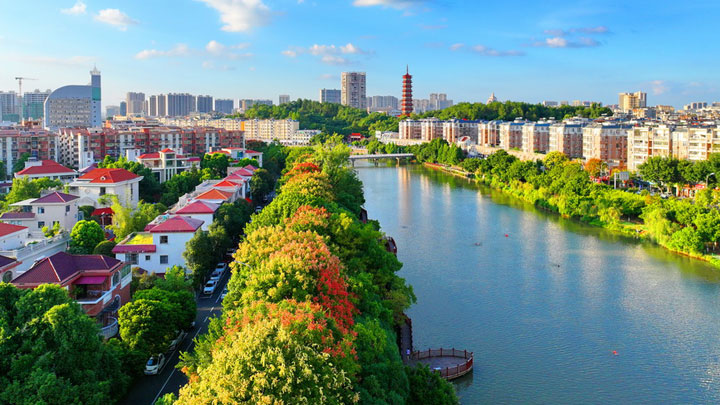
{"x":406,"y":105}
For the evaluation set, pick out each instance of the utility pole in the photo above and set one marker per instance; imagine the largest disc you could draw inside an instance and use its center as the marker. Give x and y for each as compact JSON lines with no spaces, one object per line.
{"x":20,"y":97}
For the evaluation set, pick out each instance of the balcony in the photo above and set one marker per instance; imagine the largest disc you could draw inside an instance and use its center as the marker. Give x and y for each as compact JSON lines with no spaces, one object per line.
{"x":111,"y":330}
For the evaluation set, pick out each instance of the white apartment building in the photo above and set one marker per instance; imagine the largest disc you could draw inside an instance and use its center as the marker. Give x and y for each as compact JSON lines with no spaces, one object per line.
{"x":410,"y":129}
{"x":648,"y":141}
{"x":36,"y":213}
{"x":511,"y":134}
{"x":74,"y":106}
{"x":268,"y":130}
{"x":431,"y":128}
{"x":695,"y":143}
{"x":352,"y":87}
{"x":164,"y":164}
{"x":454,"y":130}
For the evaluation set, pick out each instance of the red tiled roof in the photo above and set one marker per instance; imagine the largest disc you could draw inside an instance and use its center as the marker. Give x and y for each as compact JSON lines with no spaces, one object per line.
{"x":5,"y":261}
{"x":47,"y":167}
{"x":224,"y":152}
{"x":167,"y":150}
{"x":225,"y":183}
{"x":134,"y":248}
{"x":194,"y":159}
{"x":254,"y":152}
{"x":61,"y":267}
{"x":214,"y":195}
{"x":55,"y":197}
{"x":150,"y":156}
{"x":7,"y":229}
{"x":242,"y":172}
{"x":178,"y":224}
{"x":250,"y":167}
{"x":108,"y":176}
{"x":17,"y":215}
{"x":198,"y":207}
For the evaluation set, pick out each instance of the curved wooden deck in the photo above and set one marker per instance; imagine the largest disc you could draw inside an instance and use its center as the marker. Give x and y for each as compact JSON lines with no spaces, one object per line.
{"x":450,"y":363}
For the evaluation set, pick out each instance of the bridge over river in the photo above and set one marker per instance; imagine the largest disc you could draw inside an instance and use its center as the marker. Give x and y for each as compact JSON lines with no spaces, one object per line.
{"x":376,"y":157}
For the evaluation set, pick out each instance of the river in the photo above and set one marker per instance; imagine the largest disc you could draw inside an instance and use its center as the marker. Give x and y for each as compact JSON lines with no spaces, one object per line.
{"x":556,"y":312}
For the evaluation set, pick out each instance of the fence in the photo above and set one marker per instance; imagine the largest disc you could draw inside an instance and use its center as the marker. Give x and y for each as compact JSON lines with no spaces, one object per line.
{"x":452,"y":372}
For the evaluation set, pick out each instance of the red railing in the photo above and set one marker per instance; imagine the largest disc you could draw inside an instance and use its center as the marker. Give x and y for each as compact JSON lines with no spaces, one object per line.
{"x":448,"y":373}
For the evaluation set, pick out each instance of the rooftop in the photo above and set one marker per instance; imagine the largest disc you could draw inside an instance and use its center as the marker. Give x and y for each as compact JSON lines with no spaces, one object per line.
{"x":108,"y":176}
{"x":46,"y":167}
{"x":8,"y":229}
{"x":55,"y":197}
{"x":198,"y":207}
{"x":176,"y":224}
{"x":17,"y":215}
{"x":62,"y":267}
{"x":214,"y":195}
{"x":139,"y":239}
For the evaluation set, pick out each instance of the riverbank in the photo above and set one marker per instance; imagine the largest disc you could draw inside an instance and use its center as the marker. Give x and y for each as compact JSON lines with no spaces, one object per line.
{"x":520,"y":191}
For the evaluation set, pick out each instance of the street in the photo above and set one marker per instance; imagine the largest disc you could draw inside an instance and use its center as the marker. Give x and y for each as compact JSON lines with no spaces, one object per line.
{"x":148,"y":388}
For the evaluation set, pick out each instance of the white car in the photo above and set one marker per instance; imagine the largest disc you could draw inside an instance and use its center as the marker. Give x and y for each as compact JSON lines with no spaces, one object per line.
{"x":210,"y":287}
{"x":181,"y":335}
{"x":223,"y":293}
{"x":154,"y":364}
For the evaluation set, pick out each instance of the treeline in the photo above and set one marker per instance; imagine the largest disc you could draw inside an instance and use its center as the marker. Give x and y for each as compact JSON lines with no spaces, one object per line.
{"x":312,"y":304}
{"x":558,"y":184}
{"x":510,"y":110}
{"x":330,"y":118}
{"x":670,"y":172}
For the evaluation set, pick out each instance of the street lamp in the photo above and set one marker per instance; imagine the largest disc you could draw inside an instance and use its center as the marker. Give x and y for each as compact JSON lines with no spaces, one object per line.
{"x":708,"y":177}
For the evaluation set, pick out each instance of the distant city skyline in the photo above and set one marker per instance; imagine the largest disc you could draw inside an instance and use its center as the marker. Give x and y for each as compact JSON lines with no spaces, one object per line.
{"x":260,"y":49}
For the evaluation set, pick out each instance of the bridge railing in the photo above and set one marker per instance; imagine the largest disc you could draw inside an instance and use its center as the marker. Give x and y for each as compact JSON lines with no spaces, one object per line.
{"x":448,"y":373}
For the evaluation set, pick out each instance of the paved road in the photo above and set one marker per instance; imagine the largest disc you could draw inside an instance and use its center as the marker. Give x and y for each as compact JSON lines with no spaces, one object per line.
{"x":147,"y":389}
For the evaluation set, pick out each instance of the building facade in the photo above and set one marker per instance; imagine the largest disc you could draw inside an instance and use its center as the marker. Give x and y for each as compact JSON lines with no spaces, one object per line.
{"x":38,"y":143}
{"x":135,"y":104}
{"x":607,"y":142}
{"x":225,"y":106}
{"x":204,"y":104}
{"x":330,"y":96}
{"x":74,"y":106}
{"x":353,"y":91}
{"x":566,"y":138}
{"x":630,"y":101}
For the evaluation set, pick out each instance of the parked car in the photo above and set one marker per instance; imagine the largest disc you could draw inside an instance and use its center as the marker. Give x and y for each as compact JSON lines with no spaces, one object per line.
{"x":179,"y":338}
{"x":154,"y":364}
{"x":210,"y":287}
{"x":216,"y":274}
{"x":223,"y":293}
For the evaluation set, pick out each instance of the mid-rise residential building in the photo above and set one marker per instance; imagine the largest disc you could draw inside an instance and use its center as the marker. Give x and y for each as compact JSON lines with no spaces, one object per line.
{"x":74,"y":106}
{"x":123,"y":108}
{"x":410,"y":129}
{"x":204,"y":104}
{"x":267,"y":130}
{"x":38,"y":143}
{"x":536,"y":137}
{"x":248,"y":103}
{"x":352,"y":89}
{"x":439,"y":101}
{"x":100,"y":284}
{"x":98,"y":183}
{"x":629,"y":101}
{"x":460,"y":130}
{"x":225,"y":106}
{"x":511,"y":134}
{"x":135,"y":103}
{"x":382,"y":102}
{"x":112,"y":110}
{"x":431,"y":128}
{"x":161,"y":245}
{"x":607,"y":142}
{"x":330,"y":96}
{"x":489,"y":133}
{"x":283,"y":99}
{"x":566,"y":137}
{"x":695,"y":143}
{"x":648,"y":141}
{"x":179,"y":104}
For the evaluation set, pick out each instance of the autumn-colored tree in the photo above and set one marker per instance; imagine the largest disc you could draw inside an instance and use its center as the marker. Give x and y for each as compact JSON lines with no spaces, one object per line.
{"x":272,"y":354}
{"x":596,"y":167}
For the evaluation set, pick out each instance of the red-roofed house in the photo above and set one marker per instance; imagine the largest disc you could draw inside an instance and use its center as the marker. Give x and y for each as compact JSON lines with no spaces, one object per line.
{"x":161,"y":244}
{"x":202,"y":210}
{"x":13,"y":236}
{"x":240,"y":153}
{"x":216,"y":196}
{"x":167,"y":163}
{"x":35,"y":169}
{"x":99,"y":283}
{"x":47,"y":210}
{"x":99,"y":182}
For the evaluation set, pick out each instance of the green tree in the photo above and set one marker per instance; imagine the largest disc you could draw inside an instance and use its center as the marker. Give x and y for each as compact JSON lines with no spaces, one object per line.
{"x":24,"y":188}
{"x":199,"y":257}
{"x":661,"y":170}
{"x":20,"y":163}
{"x":261,"y":184}
{"x":554,"y":159}
{"x":105,"y":248}
{"x":50,"y":232}
{"x":427,"y":387}
{"x":217,"y":163}
{"x":85,"y":236}
{"x":148,"y":325}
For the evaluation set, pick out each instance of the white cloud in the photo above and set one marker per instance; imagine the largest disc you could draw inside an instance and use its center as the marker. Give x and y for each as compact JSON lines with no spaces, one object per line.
{"x":240,"y":15}
{"x":598,"y":30}
{"x":329,"y":54}
{"x":659,"y":87}
{"x":215,"y":48}
{"x":397,"y":4}
{"x":556,"y":42}
{"x":485,"y":51}
{"x":177,"y":50}
{"x":115,"y":17}
{"x":456,"y":47}
{"x":561,"y":42}
{"x":79,"y":8}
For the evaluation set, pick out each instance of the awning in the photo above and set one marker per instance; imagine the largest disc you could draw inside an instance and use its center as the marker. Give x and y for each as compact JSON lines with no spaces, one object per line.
{"x":90,"y":280}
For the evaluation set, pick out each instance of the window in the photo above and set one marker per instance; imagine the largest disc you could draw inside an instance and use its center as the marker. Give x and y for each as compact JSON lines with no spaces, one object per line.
{"x":163,"y":259}
{"x":41,"y":210}
{"x":41,"y":224}
{"x":67,"y":208}
{"x":102,"y":190}
{"x":163,"y":239}
{"x":147,"y":258}
{"x":116,"y":278}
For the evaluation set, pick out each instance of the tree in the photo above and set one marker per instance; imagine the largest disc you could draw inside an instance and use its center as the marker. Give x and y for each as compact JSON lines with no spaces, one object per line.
{"x":554,"y":159}
{"x":150,"y":188}
{"x":24,"y":188}
{"x":199,"y":257}
{"x":85,"y":236}
{"x":87,"y":211}
{"x":427,"y":387}
{"x":148,"y":325}
{"x":105,"y":248}
{"x":661,"y":170}
{"x":20,"y":163}
{"x":183,"y":302}
{"x":261,"y":184}
{"x":217,"y":163}
{"x":274,"y":353}
{"x":596,"y":167}
{"x":50,"y":232}
{"x":246,"y":161}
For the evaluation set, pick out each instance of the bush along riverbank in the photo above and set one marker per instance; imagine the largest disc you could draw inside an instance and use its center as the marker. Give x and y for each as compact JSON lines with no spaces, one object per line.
{"x":686,"y":226}
{"x":312,"y":303}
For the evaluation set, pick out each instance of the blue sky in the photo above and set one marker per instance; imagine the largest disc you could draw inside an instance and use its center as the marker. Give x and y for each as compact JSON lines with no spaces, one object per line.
{"x":521,"y":50}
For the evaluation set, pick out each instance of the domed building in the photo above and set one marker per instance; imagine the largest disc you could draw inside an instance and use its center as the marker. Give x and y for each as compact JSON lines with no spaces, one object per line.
{"x":74,"y":106}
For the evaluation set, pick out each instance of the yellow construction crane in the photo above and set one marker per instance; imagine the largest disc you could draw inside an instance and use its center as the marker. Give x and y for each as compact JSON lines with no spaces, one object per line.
{"x":20,"y":97}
